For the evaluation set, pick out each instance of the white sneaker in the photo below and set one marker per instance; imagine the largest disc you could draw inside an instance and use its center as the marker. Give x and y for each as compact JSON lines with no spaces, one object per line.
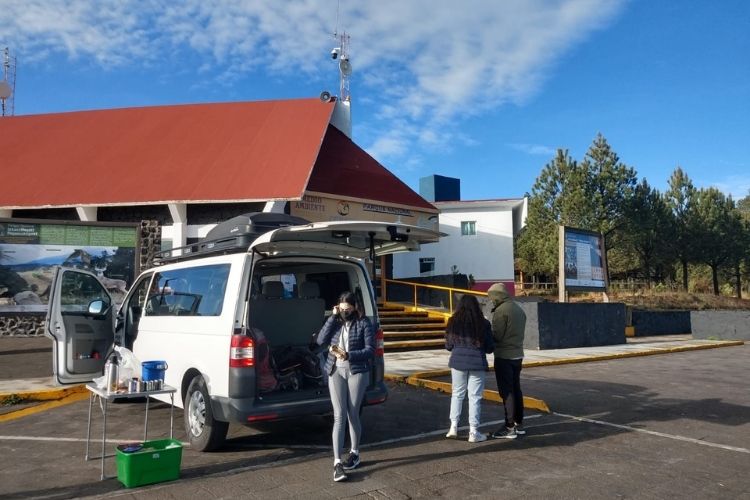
{"x":452,"y":432}
{"x":476,"y":437}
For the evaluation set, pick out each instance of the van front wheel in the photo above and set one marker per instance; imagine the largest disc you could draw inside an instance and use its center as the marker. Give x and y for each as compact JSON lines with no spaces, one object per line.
{"x":203,"y":432}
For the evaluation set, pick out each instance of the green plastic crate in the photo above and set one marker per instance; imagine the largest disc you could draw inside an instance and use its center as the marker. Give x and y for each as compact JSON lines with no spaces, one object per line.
{"x":156,"y":462}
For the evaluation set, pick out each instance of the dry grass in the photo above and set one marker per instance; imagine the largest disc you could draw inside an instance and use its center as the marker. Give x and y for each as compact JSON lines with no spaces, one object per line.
{"x":653,"y":300}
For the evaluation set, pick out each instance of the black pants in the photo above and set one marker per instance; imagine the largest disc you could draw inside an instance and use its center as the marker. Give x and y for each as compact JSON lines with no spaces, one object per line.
{"x":508,"y":376}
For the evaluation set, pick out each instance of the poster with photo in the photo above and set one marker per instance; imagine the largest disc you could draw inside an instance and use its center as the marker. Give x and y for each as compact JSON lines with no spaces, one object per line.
{"x":30,"y":250}
{"x":583,"y":261}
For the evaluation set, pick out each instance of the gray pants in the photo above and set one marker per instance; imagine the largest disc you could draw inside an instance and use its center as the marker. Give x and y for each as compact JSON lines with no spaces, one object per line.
{"x":347,"y":391}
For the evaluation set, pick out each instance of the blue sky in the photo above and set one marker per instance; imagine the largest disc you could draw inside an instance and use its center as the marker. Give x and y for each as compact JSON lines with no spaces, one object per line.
{"x":480,"y":90}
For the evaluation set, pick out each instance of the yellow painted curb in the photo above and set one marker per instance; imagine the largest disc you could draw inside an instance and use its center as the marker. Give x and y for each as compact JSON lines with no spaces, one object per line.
{"x":649,"y":352}
{"x":70,"y":398}
{"x":445,"y":387}
{"x":46,"y":394}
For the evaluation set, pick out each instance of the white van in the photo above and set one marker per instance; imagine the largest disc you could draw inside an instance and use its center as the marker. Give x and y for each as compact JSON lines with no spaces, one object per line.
{"x":235,"y":322}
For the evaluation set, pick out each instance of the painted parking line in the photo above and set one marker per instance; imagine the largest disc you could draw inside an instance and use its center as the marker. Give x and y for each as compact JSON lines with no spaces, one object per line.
{"x":441,"y":432}
{"x":654,"y":433}
{"x":413,"y":437}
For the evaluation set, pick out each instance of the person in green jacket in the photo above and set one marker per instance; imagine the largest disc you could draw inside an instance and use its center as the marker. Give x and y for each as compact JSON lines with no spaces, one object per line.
{"x":508,"y":324}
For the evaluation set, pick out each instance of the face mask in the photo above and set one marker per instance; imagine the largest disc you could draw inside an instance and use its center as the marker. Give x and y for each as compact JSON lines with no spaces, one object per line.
{"x":346,"y":315}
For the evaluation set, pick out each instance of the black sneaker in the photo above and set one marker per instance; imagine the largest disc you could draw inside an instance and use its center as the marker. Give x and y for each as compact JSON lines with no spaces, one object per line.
{"x":339,"y":474}
{"x":351,"y":462}
{"x":520,"y":430}
{"x":504,"y":433}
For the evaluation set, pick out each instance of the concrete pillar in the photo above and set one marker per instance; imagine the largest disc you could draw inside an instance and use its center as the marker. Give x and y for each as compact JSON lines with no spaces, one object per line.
{"x":275,"y":207}
{"x":6,"y":213}
{"x":87,"y":214}
{"x":179,"y":224}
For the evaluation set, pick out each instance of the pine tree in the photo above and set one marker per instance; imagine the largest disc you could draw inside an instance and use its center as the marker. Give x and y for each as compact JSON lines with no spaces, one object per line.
{"x":648,"y":230}
{"x":681,"y":200}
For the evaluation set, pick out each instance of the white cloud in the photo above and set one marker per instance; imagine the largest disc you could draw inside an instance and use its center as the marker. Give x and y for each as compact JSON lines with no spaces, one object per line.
{"x":736,"y":185}
{"x":431,"y":61}
{"x":534,"y":149}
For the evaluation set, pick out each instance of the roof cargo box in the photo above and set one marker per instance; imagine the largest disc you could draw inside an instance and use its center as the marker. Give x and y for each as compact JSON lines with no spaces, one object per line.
{"x":252,"y":225}
{"x":231,"y":236}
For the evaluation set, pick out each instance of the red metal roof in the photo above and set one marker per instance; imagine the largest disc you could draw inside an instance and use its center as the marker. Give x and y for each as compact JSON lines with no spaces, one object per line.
{"x":241,"y":151}
{"x":345,"y":169}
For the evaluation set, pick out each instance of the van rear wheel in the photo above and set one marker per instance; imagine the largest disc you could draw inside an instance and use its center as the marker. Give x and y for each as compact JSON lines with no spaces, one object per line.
{"x":203,"y":432}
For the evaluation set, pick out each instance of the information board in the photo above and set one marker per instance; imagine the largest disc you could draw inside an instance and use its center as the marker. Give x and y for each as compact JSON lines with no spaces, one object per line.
{"x":30,"y":250}
{"x":583,"y":263}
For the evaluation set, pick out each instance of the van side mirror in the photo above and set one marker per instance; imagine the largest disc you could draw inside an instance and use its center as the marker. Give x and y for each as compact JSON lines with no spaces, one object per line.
{"x":97,"y":306}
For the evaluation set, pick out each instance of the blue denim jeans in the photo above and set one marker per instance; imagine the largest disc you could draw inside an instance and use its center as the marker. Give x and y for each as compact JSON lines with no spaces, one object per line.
{"x":461,"y":380}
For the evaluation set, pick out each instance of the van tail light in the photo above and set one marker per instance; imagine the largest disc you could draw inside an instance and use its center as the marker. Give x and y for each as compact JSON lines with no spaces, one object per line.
{"x":379,"y":343}
{"x":242,"y":352}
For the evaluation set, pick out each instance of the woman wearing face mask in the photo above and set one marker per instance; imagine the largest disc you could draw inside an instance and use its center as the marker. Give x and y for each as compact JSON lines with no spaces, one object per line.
{"x":352,"y":347}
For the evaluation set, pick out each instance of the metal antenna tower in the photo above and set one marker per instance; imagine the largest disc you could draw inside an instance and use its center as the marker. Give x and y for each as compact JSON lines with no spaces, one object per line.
{"x":8,"y":84}
{"x":345,"y":67}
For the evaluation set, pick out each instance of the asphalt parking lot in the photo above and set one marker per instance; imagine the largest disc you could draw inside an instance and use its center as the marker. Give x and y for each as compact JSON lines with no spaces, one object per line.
{"x":667,"y":426}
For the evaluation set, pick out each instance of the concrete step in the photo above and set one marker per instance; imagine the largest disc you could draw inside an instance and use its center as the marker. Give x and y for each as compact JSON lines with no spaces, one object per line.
{"x":410,"y":345}
{"x":403,"y":314}
{"x":382,"y":308}
{"x":390,"y":327}
{"x":411,"y":321}
{"x":428,"y":334}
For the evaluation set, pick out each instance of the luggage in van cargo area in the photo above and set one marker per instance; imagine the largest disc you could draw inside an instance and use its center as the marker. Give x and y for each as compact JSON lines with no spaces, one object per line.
{"x":286,"y":368}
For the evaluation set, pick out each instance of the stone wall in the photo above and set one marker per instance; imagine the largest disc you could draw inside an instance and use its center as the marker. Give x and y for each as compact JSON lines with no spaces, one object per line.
{"x":580,"y":325}
{"x":720,"y":325}
{"x":551,"y":325}
{"x":22,"y":325}
{"x":150,"y":243}
{"x":647,"y":323}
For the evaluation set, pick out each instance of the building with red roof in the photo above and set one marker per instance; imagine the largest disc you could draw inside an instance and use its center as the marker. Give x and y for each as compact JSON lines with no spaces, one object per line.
{"x":192,"y":166}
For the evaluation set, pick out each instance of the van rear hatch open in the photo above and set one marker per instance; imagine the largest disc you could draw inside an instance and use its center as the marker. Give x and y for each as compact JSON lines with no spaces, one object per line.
{"x":354,"y":239}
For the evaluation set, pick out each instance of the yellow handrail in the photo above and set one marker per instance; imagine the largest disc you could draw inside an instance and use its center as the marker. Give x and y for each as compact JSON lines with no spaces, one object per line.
{"x":448,"y":289}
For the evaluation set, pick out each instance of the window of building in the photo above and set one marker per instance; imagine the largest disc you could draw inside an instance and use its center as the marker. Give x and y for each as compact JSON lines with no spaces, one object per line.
{"x":426,"y":265}
{"x":468,"y":228}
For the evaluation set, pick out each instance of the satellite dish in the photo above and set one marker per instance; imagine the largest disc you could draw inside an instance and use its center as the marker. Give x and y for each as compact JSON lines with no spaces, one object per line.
{"x":325,"y":96}
{"x":346,"y":67}
{"x":5,"y":90}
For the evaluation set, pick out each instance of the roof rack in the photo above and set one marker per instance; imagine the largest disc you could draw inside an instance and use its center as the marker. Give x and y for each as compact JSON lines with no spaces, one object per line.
{"x":231,"y":236}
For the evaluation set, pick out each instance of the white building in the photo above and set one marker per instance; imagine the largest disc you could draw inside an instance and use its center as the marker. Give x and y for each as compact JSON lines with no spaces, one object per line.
{"x":479,"y":242}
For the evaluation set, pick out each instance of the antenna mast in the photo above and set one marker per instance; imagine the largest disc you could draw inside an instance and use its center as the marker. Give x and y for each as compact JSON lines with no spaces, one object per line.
{"x":345,"y":67}
{"x":8,"y":84}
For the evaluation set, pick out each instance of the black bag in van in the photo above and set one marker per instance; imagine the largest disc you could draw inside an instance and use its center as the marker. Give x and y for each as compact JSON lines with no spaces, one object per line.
{"x":296,"y":368}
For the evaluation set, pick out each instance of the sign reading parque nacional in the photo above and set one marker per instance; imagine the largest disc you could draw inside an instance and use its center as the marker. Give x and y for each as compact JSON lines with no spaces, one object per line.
{"x":583,"y":263}
{"x":30,"y":250}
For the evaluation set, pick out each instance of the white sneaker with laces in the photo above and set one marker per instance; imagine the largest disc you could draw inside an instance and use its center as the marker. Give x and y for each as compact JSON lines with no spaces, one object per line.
{"x":476,"y":437}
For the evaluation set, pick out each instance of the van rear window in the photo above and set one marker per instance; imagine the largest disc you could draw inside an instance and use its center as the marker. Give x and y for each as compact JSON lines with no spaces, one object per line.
{"x":194,"y":291}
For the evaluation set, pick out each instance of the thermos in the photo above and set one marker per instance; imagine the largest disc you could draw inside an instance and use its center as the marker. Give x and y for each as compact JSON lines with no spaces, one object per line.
{"x":112,"y":373}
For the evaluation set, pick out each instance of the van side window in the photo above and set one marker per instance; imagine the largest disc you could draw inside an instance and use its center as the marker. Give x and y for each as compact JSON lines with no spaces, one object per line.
{"x":79,"y":290}
{"x":194,"y":291}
